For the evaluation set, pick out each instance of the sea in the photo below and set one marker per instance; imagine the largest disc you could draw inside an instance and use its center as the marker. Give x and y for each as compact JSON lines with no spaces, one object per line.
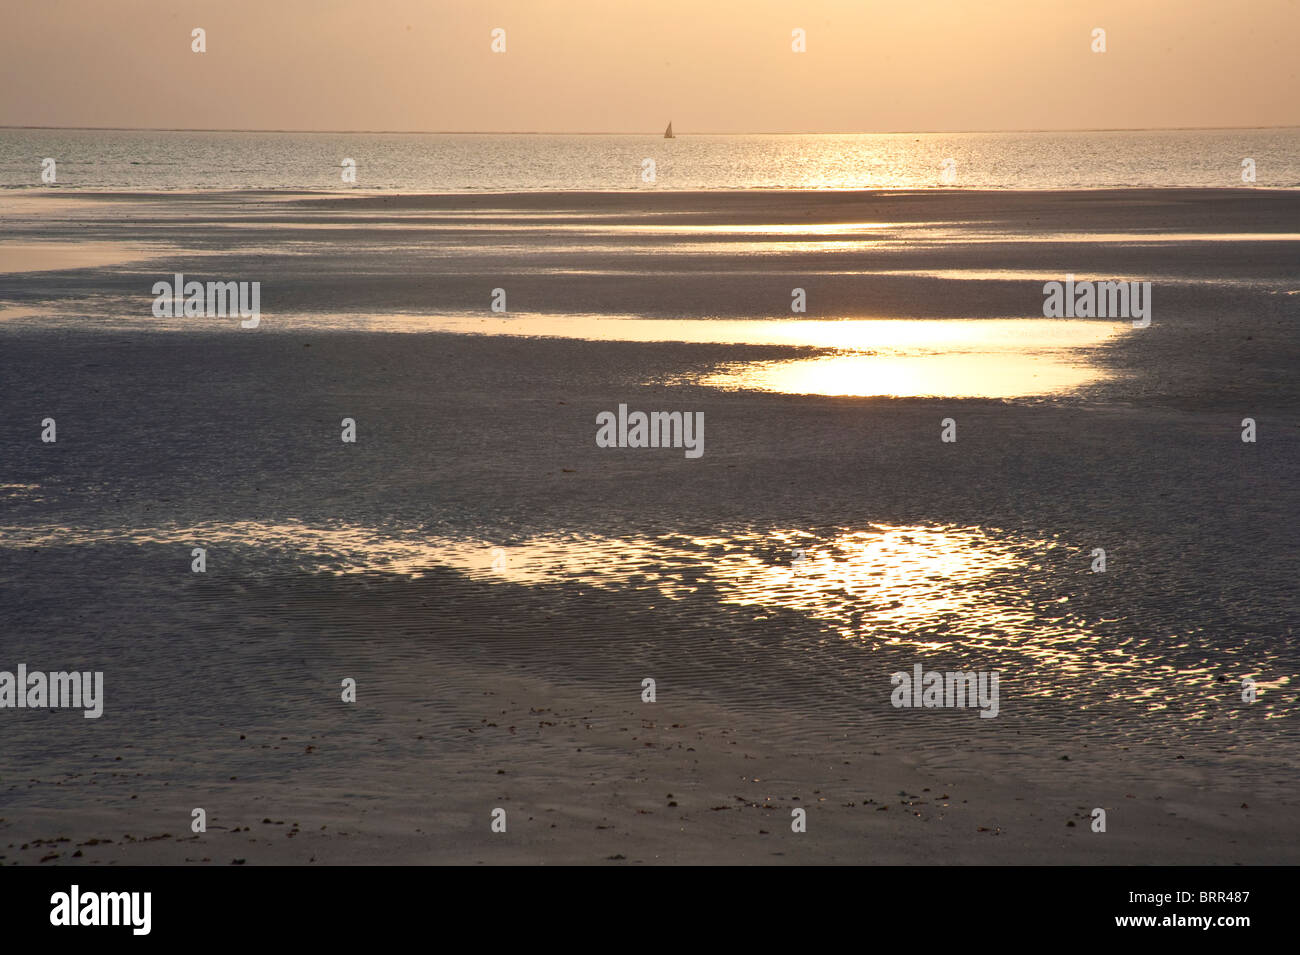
{"x":168,"y":160}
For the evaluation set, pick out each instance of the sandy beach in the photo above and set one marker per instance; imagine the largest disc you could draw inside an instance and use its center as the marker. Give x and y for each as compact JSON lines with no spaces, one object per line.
{"x":499,"y":586}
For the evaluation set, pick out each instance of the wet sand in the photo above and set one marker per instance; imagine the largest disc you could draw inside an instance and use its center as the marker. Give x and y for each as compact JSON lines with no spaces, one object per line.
{"x":521,"y":688}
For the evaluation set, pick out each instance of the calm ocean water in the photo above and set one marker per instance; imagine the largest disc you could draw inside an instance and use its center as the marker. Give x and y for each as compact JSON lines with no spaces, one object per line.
{"x":152,"y":160}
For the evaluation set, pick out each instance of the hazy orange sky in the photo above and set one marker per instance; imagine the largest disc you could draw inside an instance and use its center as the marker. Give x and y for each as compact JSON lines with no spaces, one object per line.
{"x":624,"y":66}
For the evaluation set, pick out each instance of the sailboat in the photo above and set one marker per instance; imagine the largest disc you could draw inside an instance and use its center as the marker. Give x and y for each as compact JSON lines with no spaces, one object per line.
{"x":668,"y":133}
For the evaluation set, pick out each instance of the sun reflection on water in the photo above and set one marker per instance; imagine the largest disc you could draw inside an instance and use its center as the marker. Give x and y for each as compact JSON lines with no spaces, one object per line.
{"x":964,"y":593}
{"x":949,"y":358}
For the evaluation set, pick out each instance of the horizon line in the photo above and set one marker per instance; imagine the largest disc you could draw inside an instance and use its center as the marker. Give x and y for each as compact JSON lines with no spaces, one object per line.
{"x":475,"y":132}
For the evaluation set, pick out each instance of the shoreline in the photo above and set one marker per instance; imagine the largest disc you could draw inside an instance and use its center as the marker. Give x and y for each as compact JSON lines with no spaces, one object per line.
{"x":881,"y":192}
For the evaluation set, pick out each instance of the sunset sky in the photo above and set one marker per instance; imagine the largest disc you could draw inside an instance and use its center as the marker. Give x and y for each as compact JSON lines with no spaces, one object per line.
{"x":722,"y":66}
